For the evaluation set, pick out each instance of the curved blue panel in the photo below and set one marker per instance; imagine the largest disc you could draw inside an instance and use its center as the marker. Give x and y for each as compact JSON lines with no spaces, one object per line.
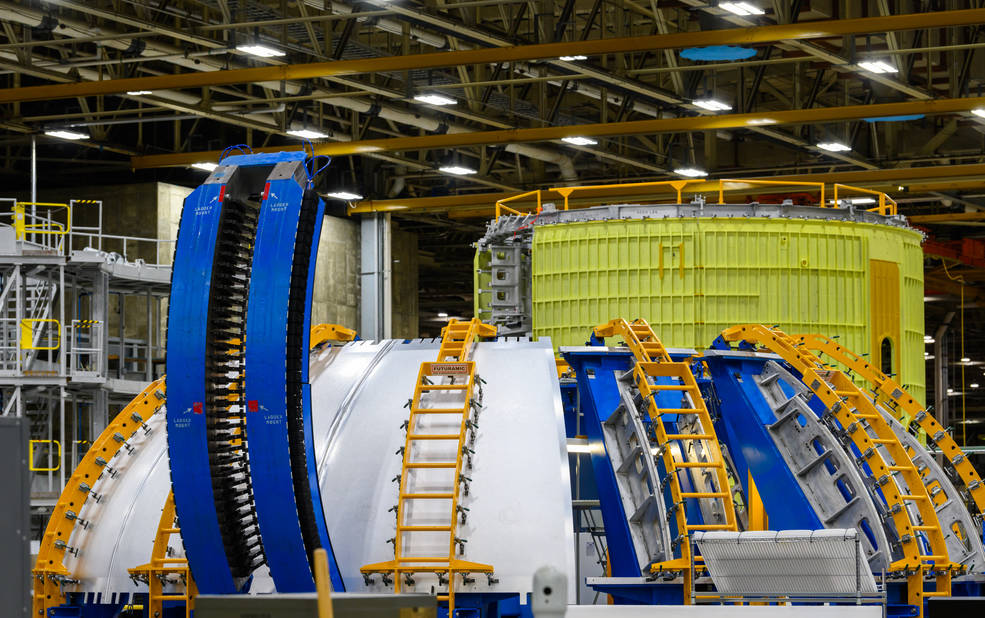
{"x":718,"y":52}
{"x":266,"y":387}
{"x":187,"y":446}
{"x":895,"y":118}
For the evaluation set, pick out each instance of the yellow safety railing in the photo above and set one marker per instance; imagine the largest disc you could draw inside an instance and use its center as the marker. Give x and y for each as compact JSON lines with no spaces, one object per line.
{"x":30,"y":455}
{"x":47,"y":226}
{"x":27,"y":334}
{"x":501,"y":204}
{"x":887,"y":205}
{"x":773,"y":183}
{"x":676,"y":185}
{"x":162,"y":564}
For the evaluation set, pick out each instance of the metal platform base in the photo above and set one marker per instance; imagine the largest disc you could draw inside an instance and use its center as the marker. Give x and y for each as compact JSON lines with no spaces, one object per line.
{"x":304,"y":605}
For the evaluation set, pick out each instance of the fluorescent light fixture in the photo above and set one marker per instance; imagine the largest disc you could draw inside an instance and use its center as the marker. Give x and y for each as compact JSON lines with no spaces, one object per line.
{"x":261,"y":51}
{"x":760,"y":121}
{"x":979,"y":111}
{"x":965,"y":359}
{"x":690,"y":172}
{"x":950,"y":390}
{"x":458,"y":170}
{"x":974,"y":385}
{"x":434,"y":99}
{"x":66,"y":134}
{"x":741,"y":8}
{"x":442,"y":314}
{"x":877,"y":66}
{"x":205,"y":166}
{"x":348,"y":196}
{"x":928,"y":338}
{"x":579,"y":141}
{"x":573,"y":58}
{"x":137,"y":93}
{"x":970,"y":421}
{"x":862,"y":200}
{"x":834,"y":147}
{"x":307,"y":133}
{"x":712,"y":105}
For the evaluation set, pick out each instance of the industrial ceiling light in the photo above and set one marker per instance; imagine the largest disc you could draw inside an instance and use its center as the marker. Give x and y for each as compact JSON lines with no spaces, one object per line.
{"x":862,"y":200}
{"x":260,"y":51}
{"x":205,"y":166}
{"x":928,"y":339}
{"x":457,"y":170}
{"x":974,"y":385}
{"x":137,"y":93}
{"x":834,"y":146}
{"x":66,"y":134}
{"x":690,"y":172}
{"x":307,"y":133}
{"x":979,"y":111}
{"x":741,"y":8}
{"x":347,"y":196}
{"x":965,"y":359}
{"x":442,"y":314}
{"x":760,"y":121}
{"x":877,"y":66}
{"x":579,"y":141}
{"x":432,"y":98}
{"x":712,"y":105}
{"x":573,"y":58}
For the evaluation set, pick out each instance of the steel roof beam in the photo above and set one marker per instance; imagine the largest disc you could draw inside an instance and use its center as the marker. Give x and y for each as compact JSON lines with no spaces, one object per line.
{"x":636,"y":127}
{"x":734,"y":36}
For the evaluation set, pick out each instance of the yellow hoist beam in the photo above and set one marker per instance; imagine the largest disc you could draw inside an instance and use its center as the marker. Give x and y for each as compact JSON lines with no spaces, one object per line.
{"x":858,"y":416}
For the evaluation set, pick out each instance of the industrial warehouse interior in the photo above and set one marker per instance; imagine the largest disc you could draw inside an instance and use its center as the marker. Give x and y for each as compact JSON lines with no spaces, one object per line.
{"x":492,"y":308}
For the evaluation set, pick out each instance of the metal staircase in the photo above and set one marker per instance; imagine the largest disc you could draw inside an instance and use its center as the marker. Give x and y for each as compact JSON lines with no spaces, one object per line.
{"x":167,"y":576}
{"x":684,"y":439}
{"x":441,"y":432}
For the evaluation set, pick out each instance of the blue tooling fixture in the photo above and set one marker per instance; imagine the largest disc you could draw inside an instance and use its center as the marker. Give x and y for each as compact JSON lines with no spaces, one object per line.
{"x":239,"y":416}
{"x":278,"y":417}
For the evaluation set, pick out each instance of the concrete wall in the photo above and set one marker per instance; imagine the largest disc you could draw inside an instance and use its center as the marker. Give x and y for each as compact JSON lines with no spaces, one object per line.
{"x":336,"y":293}
{"x":406,"y":322}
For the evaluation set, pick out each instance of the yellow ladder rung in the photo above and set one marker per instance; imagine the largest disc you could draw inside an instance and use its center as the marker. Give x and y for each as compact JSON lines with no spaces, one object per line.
{"x":912,"y":497}
{"x":900,"y":468}
{"x":679,"y":410}
{"x":672,"y":387}
{"x":709,"y":527}
{"x":424,"y":528}
{"x":697,"y":464}
{"x":427,"y":496}
{"x":434,"y":436}
{"x":935,"y":558}
{"x":426,"y":559}
{"x":924,"y":527}
{"x":689,"y":436}
{"x":438,"y":410}
{"x":699,"y":494}
{"x":940,"y":593}
{"x":442,"y":464}
{"x":884,"y":441}
{"x":861,"y":415}
{"x":443,"y":387}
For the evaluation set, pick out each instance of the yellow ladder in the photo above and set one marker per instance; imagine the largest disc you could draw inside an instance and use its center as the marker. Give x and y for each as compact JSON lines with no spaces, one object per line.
{"x":444,"y":409}
{"x":889,"y":392}
{"x":701,"y":451}
{"x":858,"y":415}
{"x":161,"y":565}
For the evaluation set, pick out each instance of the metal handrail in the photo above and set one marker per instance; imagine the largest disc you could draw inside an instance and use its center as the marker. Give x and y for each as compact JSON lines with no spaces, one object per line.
{"x":500,"y":204}
{"x":677,"y":185}
{"x":883,"y":208}
{"x":723,"y":181}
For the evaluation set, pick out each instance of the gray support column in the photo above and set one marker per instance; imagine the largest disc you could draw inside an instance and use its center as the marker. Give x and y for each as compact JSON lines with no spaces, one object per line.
{"x":376,"y":307}
{"x":15,"y":530}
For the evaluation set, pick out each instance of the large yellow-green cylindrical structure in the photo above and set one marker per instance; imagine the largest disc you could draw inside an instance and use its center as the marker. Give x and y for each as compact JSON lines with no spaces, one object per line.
{"x":854,"y":277}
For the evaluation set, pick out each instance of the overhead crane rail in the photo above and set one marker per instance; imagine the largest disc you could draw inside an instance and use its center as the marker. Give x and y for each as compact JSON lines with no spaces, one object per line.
{"x":895,"y":477}
{"x":685,"y":440}
{"x":441,"y":433}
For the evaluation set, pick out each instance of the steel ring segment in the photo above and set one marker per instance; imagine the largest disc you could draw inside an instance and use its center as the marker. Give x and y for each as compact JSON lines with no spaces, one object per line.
{"x":276,"y":413}
{"x":186,"y":356}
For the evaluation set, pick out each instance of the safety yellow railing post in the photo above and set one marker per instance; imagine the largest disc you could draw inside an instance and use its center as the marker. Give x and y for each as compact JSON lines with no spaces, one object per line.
{"x":30,"y":455}
{"x":19,"y":220}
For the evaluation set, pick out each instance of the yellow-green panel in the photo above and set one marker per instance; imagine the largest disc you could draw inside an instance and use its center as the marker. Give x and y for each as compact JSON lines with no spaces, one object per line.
{"x":691,"y":278}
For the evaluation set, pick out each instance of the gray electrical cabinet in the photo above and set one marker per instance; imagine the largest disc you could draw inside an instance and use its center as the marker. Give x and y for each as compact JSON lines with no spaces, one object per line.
{"x":15,"y":519}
